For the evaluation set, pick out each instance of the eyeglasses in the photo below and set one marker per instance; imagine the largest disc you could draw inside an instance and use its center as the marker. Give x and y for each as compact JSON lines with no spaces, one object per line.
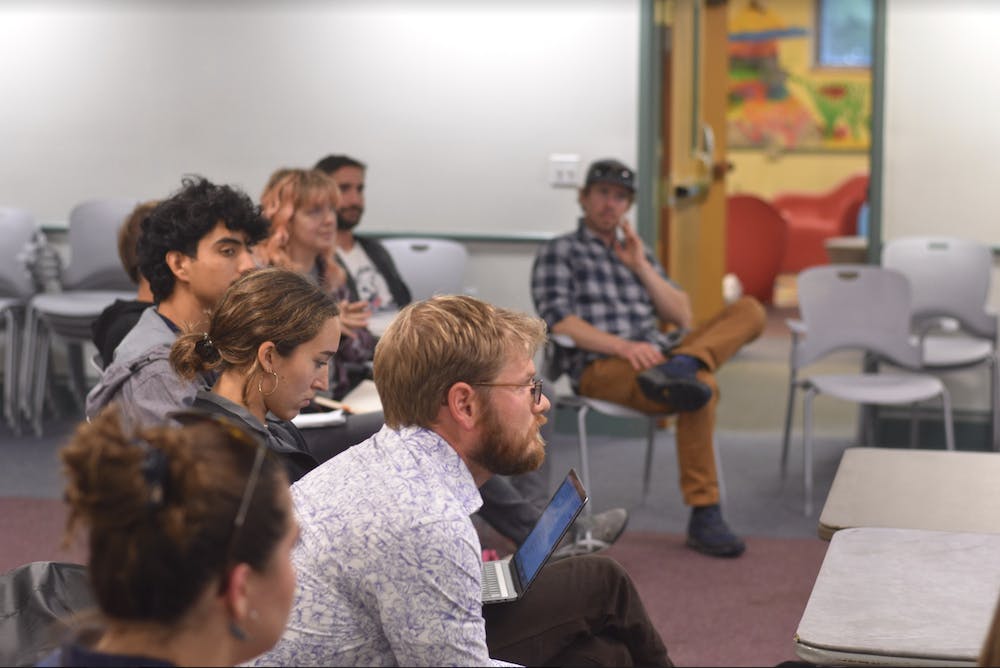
{"x":240,"y":434}
{"x":535,"y":385}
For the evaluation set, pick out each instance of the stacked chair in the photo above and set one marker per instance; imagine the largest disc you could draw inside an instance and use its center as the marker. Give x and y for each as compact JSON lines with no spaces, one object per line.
{"x":17,"y":227}
{"x":91,"y":281}
{"x":950,"y":279}
{"x":869,"y":309}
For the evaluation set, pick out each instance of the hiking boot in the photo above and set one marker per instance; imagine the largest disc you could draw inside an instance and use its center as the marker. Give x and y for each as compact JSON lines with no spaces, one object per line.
{"x":605,"y":528}
{"x":674,"y":382}
{"x":709,"y":534}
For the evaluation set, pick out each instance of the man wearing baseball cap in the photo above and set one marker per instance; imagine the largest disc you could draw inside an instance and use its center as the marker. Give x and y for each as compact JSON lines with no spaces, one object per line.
{"x":603,"y":288}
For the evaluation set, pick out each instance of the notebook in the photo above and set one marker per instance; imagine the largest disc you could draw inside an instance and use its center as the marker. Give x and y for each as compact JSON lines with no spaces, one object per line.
{"x":508,"y":579}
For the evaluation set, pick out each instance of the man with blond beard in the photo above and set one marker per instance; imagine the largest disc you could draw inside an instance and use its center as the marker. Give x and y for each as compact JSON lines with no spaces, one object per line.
{"x":389,"y":562}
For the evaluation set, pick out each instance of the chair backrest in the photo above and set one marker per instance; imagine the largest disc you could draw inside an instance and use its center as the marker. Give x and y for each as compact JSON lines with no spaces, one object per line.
{"x":17,"y":227}
{"x":551,"y":367}
{"x":756,"y":233}
{"x":856,"y":307}
{"x":429,"y":266}
{"x":839,"y":206}
{"x":93,"y":245}
{"x":949,"y":277}
{"x":38,"y":599}
{"x":851,"y":195}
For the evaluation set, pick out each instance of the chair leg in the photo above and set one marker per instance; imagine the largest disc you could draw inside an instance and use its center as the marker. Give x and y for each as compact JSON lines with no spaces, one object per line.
{"x":995,"y":400}
{"x":581,"y":437}
{"x":27,"y":368}
{"x":584,"y":541}
{"x":807,"y":450}
{"x":77,"y":372}
{"x":786,"y":438}
{"x":789,"y":414}
{"x":41,"y":381}
{"x":949,"y":425}
{"x":861,"y":437}
{"x":650,"y":445}
{"x":868,"y":413}
{"x":12,"y":379}
{"x":914,"y":426}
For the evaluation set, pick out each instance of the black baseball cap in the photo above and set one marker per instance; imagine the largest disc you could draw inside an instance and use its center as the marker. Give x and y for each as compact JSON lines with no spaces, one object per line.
{"x":611,"y":171}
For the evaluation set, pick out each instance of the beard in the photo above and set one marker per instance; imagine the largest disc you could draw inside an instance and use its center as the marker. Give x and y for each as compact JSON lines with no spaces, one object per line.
{"x":348,"y":217}
{"x":504,"y":452}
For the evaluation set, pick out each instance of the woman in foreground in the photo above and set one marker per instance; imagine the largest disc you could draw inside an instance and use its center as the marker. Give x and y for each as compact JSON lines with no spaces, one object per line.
{"x":190,"y":531}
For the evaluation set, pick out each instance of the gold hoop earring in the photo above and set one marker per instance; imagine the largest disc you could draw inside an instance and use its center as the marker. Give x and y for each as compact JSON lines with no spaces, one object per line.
{"x":260,"y":383}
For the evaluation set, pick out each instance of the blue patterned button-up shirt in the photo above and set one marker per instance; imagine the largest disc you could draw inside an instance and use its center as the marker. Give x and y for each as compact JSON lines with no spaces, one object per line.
{"x":576,"y":274}
{"x":389,"y":564}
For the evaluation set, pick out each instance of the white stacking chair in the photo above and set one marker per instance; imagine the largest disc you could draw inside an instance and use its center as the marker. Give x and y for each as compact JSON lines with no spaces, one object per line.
{"x":429,"y":266}
{"x":91,"y":281}
{"x":551,"y":372}
{"x":17,"y":227}
{"x":866,"y":308}
{"x":950,"y":282}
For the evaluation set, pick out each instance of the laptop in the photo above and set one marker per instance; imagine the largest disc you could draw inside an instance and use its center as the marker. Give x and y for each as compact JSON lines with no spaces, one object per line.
{"x":508,"y":579}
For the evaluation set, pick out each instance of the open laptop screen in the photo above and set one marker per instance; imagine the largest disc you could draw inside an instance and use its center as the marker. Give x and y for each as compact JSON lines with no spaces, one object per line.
{"x":556,"y":518}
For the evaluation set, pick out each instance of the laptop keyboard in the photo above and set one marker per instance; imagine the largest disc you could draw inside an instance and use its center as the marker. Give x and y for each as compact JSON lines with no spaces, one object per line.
{"x":494,"y":585}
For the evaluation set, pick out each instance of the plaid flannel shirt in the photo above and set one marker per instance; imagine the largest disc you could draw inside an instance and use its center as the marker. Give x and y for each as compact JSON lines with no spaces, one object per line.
{"x":576,"y":274}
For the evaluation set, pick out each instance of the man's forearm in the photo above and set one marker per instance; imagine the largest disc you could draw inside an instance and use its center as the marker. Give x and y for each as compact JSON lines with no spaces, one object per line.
{"x":588,"y":337}
{"x":672,"y":304}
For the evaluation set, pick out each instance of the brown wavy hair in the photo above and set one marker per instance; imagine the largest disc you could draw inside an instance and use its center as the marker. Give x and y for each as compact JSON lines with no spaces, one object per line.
{"x":128,"y":238}
{"x":276,"y":305}
{"x":159,"y":508}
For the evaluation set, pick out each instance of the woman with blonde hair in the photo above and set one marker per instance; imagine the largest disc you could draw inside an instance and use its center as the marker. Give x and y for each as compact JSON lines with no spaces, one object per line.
{"x":190,"y":531}
{"x":301,"y":205}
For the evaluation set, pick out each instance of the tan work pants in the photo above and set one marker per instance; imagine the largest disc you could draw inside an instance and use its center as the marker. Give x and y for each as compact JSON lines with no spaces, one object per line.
{"x":713,"y":342}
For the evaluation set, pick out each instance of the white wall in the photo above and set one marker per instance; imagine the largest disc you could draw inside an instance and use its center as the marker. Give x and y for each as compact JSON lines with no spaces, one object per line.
{"x":942,"y":133}
{"x":942,"y":137}
{"x":456,"y":106}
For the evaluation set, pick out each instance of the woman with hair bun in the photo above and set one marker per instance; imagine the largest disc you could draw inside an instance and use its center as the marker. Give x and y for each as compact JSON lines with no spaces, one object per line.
{"x":190,"y":531}
{"x":270,"y":340}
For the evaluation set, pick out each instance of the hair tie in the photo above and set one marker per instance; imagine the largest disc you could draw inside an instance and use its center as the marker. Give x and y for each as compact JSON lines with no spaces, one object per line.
{"x":155,"y":471}
{"x":206,"y":349}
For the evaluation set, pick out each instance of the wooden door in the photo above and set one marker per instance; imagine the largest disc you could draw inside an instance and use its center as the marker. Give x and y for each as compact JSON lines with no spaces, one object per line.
{"x":694,"y":66}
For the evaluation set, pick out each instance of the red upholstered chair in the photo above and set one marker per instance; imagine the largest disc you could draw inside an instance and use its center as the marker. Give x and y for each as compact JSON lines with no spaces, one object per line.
{"x":755,"y":244}
{"x":814,"y":218}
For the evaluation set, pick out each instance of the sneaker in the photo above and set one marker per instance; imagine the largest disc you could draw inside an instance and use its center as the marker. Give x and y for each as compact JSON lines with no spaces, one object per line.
{"x":674,"y":382}
{"x":605,"y":528}
{"x":709,"y":534}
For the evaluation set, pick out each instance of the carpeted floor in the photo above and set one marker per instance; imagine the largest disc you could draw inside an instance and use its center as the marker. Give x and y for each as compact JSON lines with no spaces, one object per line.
{"x":709,"y":611}
{"x":32,"y":530}
{"x":723,"y":612}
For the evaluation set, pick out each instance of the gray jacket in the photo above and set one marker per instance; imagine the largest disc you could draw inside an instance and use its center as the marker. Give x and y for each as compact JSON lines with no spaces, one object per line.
{"x":140,"y":379}
{"x":282,"y":437}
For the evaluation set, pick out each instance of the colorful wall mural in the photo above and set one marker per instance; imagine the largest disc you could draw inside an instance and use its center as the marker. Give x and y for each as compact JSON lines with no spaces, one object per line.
{"x":777,"y":100}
